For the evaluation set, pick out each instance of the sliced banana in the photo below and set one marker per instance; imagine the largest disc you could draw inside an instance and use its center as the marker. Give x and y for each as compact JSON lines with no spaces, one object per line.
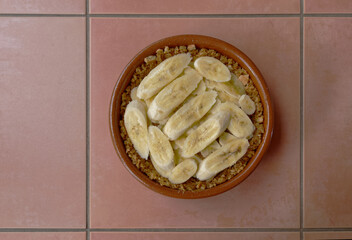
{"x":234,"y":87}
{"x":224,"y":157}
{"x":237,"y":85}
{"x":162,"y":172}
{"x":149,"y":101}
{"x":177,"y":158}
{"x":212,"y":69}
{"x":183,"y":171}
{"x":215,"y":108}
{"x":179,"y":142}
{"x":210,"y":149}
{"x":194,"y":127}
{"x":206,"y":133}
{"x":135,"y":119}
{"x":160,"y":149}
{"x":162,"y":122}
{"x":163,"y":74}
{"x":134,"y":94}
{"x":197,"y":158}
{"x":226,"y":138}
{"x":205,"y":109}
{"x":247,"y":104}
{"x":173,"y":95}
{"x":200,"y":88}
{"x":240,"y":125}
{"x":189,"y":113}
{"x":225,"y":97}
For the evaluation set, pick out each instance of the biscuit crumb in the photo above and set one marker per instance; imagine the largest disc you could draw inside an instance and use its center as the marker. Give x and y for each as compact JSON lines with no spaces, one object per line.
{"x":191,"y":47}
{"x":150,"y":59}
{"x":244,"y":79}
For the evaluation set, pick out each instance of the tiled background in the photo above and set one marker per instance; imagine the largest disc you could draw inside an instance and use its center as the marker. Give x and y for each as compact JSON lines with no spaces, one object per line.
{"x":60,"y":177}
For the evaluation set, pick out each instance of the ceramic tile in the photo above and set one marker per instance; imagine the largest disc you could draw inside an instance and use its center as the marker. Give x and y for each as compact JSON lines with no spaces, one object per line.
{"x":268,"y":198}
{"x":43,"y":236}
{"x":327,"y":235}
{"x":327,"y":108}
{"x":327,"y":6}
{"x":195,"y":236}
{"x":42,"y":122}
{"x":194,"y":7}
{"x":43,"y":6}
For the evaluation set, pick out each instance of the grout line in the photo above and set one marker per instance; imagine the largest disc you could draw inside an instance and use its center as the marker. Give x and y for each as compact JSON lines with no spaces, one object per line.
{"x":87,"y":122}
{"x":301,"y":117}
{"x":174,"y":230}
{"x":179,"y":15}
{"x":220,"y":15}
{"x":192,"y":15}
{"x":40,"y":15}
{"x":43,"y":229}
{"x":327,"y":229}
{"x":196,"y":230}
{"x":327,"y":15}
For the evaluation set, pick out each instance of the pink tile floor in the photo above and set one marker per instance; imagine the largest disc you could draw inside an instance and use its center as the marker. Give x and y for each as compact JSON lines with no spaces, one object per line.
{"x":60,"y":177}
{"x":279,"y":202}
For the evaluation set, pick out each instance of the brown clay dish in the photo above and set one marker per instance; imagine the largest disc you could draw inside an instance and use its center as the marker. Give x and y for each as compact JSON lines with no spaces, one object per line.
{"x":201,"y":42}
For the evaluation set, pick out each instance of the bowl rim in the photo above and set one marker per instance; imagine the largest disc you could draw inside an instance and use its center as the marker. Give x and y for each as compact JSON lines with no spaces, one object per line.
{"x":201,"y":41}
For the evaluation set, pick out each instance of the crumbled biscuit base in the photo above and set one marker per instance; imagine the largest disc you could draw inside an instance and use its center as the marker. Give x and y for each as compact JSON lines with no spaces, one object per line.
{"x":192,"y":184}
{"x":150,"y":59}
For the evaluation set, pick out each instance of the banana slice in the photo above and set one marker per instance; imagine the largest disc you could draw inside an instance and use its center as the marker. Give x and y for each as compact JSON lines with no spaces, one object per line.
{"x":179,"y":142}
{"x":226,"y":138}
{"x":160,"y":149}
{"x":215,"y":108}
{"x":210,"y":149}
{"x":163,"y":74}
{"x":177,"y":158}
{"x":200,"y":88}
{"x":225,"y":97}
{"x":173,"y":95}
{"x":174,"y":146}
{"x":224,"y":157}
{"x":240,"y":125}
{"x":206,"y":133}
{"x":149,"y":101}
{"x":162,"y":172}
{"x":197,"y":158}
{"x":212,"y":69}
{"x":134,"y":94}
{"x":162,"y":122}
{"x":237,"y":85}
{"x":189,"y":113}
{"x":247,"y":105}
{"x":183,"y":171}
{"x":136,"y":126}
{"x":234,"y":87}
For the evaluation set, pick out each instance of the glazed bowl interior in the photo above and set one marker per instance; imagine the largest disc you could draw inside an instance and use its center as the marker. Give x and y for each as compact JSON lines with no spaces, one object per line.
{"x":200,"y":42}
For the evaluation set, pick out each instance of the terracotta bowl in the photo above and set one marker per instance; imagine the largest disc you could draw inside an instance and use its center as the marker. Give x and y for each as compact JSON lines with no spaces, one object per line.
{"x":201,"y":42}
